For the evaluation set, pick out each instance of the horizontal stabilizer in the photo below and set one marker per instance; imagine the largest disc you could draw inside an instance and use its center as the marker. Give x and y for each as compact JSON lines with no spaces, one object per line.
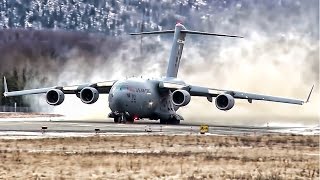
{"x":210,"y":34}
{"x":153,"y":32}
{"x":187,"y":32}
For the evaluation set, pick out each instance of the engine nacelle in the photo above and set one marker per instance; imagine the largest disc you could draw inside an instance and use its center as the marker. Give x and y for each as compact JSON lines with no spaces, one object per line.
{"x":55,"y":97}
{"x":181,"y":97}
{"x":89,"y":95}
{"x":224,"y":102}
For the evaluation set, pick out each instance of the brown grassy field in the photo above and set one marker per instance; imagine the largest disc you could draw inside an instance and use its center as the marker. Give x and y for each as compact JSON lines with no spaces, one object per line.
{"x":161,"y":157}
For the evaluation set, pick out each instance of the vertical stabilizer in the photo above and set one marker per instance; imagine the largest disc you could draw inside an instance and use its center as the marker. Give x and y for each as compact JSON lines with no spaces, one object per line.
{"x":176,"y":51}
{"x":5,"y":84}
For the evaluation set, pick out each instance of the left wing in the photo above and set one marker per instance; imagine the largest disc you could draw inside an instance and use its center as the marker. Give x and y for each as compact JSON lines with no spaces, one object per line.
{"x":212,"y":92}
{"x":102,"y":87}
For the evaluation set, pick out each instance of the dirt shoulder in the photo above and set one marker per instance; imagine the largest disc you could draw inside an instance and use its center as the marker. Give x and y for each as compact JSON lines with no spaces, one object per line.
{"x":162,"y":157}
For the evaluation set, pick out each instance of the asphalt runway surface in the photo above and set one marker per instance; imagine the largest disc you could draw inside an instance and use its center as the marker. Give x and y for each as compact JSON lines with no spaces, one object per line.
{"x":34,"y":127}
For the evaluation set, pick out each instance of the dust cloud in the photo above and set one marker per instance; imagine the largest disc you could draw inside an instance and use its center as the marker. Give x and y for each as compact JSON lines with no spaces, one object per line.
{"x":257,"y":64}
{"x":279,"y":56}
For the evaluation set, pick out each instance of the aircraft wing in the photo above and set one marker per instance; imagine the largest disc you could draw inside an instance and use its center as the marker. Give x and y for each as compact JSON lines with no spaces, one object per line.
{"x":102,"y":87}
{"x":212,"y":92}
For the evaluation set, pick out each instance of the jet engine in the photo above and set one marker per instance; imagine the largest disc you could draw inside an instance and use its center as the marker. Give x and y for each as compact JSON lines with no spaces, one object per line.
{"x":89,"y":95}
{"x":224,"y":102}
{"x":55,"y":97}
{"x":181,"y":97}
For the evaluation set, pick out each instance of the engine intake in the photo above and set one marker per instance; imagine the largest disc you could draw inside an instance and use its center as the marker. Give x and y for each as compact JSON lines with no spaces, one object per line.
{"x":181,"y":97}
{"x":224,"y":102}
{"x":89,"y":95}
{"x":55,"y":97}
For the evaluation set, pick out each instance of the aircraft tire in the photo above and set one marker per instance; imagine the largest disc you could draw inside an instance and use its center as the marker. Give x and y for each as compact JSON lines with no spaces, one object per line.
{"x":130,"y":120}
{"x":116,"y":120}
{"x":175,"y":122}
{"x":163,"y":121}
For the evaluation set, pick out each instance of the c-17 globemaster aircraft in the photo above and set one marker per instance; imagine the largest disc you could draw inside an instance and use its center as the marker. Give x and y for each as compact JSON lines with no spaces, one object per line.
{"x":136,"y":98}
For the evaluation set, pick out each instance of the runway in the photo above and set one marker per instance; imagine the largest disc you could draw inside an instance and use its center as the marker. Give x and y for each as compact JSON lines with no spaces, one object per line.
{"x":33,"y":127}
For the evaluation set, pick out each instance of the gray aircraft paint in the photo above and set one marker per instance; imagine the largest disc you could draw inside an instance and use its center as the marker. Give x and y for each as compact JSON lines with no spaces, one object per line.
{"x":152,"y":98}
{"x":141,"y":98}
{"x":176,"y":51}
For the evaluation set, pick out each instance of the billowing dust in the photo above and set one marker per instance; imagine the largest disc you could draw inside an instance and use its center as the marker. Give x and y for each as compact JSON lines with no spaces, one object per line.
{"x":279,"y":56}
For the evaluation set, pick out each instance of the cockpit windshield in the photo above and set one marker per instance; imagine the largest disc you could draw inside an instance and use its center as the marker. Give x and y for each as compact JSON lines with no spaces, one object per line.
{"x":122,"y":87}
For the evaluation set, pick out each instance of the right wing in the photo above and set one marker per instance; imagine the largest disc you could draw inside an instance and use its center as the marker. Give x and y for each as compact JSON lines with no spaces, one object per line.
{"x":211,"y":93}
{"x":102,"y":87}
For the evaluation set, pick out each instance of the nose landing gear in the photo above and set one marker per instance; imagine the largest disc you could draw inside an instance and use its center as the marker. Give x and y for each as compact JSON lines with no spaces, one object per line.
{"x":121,"y":117}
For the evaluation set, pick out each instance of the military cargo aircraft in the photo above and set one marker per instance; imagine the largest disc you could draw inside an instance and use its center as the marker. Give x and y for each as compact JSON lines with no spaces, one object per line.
{"x":155,"y":99}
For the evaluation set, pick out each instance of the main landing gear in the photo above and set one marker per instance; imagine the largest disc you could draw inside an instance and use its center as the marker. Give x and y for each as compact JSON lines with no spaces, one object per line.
{"x":169,"y":121}
{"x":174,"y":119}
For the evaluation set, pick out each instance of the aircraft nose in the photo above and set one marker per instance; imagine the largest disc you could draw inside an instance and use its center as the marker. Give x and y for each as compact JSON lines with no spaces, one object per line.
{"x":119,"y":101}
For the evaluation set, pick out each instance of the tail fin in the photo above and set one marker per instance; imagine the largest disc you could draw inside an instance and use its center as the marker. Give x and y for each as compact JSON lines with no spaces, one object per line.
{"x":5,"y":86}
{"x":176,"y":51}
{"x":177,"y":46}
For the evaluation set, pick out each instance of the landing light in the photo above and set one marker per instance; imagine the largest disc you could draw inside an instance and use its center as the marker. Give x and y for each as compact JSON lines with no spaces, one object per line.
{"x":150,"y":104}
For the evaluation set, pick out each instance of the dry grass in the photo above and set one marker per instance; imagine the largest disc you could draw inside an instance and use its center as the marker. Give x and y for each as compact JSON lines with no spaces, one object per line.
{"x":162,"y":157}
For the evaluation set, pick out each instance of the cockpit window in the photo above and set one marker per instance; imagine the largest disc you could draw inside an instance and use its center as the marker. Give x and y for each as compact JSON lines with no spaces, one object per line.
{"x":126,"y":87}
{"x":121,"y":87}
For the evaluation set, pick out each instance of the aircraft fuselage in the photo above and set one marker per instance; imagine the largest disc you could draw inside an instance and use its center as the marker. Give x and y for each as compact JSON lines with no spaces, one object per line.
{"x":140,"y":98}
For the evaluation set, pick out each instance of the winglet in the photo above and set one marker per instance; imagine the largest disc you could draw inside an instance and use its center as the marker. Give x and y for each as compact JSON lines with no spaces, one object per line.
{"x":5,"y":86}
{"x":309,"y":95}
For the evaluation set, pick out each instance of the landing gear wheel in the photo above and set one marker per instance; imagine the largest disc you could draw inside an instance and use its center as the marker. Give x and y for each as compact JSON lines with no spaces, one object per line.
{"x":173,"y":121}
{"x":123,"y":119}
{"x":163,"y":121}
{"x":130,"y":120}
{"x":116,"y":119}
